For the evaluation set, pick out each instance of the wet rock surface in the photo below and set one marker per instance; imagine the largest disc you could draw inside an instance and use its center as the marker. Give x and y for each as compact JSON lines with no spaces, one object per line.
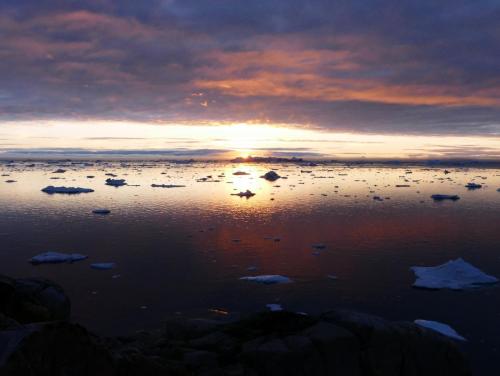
{"x":338,"y":342}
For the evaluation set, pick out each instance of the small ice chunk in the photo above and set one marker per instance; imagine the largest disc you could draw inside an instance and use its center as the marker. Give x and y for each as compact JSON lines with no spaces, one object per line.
{"x":439,"y":327}
{"x":455,"y":275}
{"x":103,"y":265}
{"x":59,"y":171}
{"x":440,"y":197}
{"x":331,"y":276}
{"x":271,"y":176}
{"x":274,"y":307}
{"x":115,"y":182}
{"x":240,"y":173}
{"x":67,"y":190}
{"x":472,"y":185}
{"x":101,"y":211}
{"x":167,"y":186}
{"x":246,"y":194}
{"x":318,"y":246}
{"x":56,"y":257}
{"x":252,"y":268}
{"x":267,"y":279}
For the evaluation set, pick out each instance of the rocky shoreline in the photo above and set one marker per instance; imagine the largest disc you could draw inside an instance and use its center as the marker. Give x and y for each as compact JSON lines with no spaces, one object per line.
{"x":37,"y":338}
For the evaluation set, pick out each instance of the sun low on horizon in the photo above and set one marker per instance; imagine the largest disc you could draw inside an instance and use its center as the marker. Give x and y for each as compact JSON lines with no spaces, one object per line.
{"x":323,"y":80}
{"x":225,"y":141}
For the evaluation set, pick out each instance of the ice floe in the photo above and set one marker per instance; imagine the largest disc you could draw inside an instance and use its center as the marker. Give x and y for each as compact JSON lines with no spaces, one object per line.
{"x":274,"y":307}
{"x":271,"y":176}
{"x":115,"y":182}
{"x":246,"y":194}
{"x":440,"y":197}
{"x":455,"y":275}
{"x":267,"y":279}
{"x":56,"y":257}
{"x":318,"y":246}
{"x":439,"y":327}
{"x":167,"y":185}
{"x":101,"y":211}
{"x":103,"y":265}
{"x":66,"y":190}
{"x":471,"y":186}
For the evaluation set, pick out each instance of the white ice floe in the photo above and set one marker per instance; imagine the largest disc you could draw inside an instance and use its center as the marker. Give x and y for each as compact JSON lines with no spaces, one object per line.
{"x":439,"y":327}
{"x":167,"y":186}
{"x":103,"y":265}
{"x":455,"y":275}
{"x":267,"y":279}
{"x":67,"y":190}
{"x":115,"y":182}
{"x":56,"y":257}
{"x":101,"y":211}
{"x":274,"y":307}
{"x":440,"y":197}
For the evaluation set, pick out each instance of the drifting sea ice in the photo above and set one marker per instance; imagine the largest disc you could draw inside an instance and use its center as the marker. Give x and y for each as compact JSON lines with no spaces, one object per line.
{"x":439,"y":327}
{"x":167,"y":186}
{"x":103,"y":265}
{"x":115,"y":182}
{"x":66,"y":190}
{"x":440,"y":197}
{"x":455,"y":275}
{"x":56,"y":257}
{"x":101,"y":211}
{"x":267,"y":279}
{"x":274,"y":307}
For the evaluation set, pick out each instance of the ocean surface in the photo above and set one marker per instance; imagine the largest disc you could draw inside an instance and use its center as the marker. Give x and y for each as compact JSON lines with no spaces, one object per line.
{"x":183,"y":250}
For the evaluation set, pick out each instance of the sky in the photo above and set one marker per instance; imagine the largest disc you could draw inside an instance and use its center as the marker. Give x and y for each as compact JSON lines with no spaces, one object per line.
{"x":348,"y":79}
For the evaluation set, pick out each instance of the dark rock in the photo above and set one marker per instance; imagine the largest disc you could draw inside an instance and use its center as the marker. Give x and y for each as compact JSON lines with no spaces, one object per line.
{"x":338,"y":342}
{"x":54,"y":349}
{"x":200,"y":360}
{"x":33,"y":300}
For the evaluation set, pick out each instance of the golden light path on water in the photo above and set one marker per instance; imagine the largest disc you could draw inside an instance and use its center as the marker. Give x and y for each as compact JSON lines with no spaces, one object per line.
{"x":242,"y":139}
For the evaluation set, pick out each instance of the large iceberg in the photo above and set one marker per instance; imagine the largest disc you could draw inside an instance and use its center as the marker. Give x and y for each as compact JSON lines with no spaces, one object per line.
{"x":56,"y":257}
{"x":268,"y":279}
{"x":67,"y":190}
{"x":439,"y":327}
{"x":455,"y":275}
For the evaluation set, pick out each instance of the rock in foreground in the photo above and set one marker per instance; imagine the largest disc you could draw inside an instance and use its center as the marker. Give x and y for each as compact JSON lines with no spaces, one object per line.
{"x":270,"y":343}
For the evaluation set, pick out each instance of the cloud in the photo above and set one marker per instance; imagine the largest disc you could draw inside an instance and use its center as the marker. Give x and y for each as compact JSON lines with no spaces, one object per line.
{"x":383,"y":66}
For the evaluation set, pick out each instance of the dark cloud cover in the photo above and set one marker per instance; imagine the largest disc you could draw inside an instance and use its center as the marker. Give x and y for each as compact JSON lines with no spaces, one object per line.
{"x":422,"y":67}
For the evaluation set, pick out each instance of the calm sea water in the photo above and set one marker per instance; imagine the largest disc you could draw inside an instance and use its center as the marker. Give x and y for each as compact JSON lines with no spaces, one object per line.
{"x":183,"y":250}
